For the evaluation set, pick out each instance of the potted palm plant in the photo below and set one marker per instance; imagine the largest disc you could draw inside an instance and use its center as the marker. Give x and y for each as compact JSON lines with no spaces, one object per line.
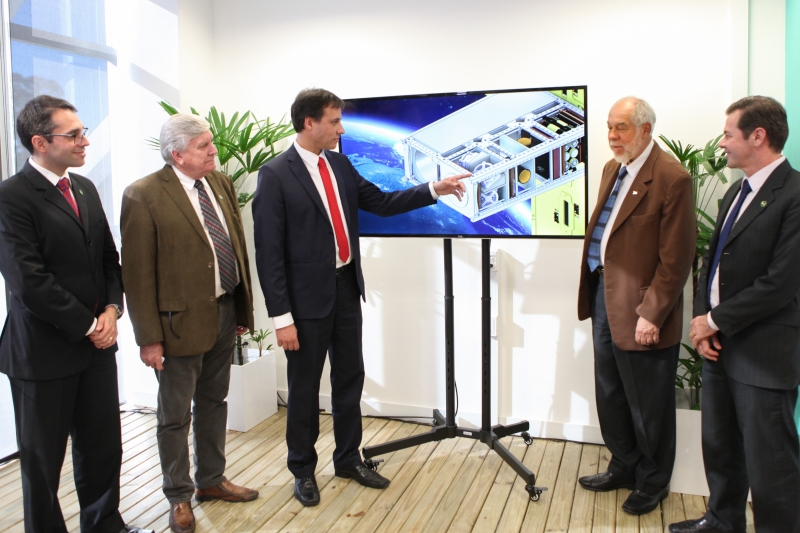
{"x":252,"y":395}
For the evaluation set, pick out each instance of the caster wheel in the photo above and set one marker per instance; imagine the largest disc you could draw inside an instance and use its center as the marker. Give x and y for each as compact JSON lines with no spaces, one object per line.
{"x":534,"y":492}
{"x":372,"y":464}
{"x":527,"y":438}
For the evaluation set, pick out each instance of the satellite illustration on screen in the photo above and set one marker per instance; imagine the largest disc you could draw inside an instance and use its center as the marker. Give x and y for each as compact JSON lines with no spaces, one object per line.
{"x":526,"y":151}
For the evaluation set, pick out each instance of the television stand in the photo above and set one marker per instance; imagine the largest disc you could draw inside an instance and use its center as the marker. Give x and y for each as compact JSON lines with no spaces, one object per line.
{"x":445,"y":426}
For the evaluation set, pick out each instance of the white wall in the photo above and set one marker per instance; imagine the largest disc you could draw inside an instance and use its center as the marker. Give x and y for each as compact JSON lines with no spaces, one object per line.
{"x":264,"y":52}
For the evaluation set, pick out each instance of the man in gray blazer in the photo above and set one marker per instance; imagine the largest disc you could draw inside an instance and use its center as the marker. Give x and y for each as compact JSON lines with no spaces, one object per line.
{"x":746,"y":325}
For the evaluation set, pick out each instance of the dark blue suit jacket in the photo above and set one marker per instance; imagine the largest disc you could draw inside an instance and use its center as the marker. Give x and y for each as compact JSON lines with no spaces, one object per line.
{"x":61,"y":273}
{"x":295,"y":244}
{"x":759,"y":310}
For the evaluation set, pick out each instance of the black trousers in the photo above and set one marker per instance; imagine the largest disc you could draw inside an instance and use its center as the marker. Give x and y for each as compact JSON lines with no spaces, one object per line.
{"x":750,"y":442}
{"x":635,"y":393}
{"x":338,"y":335}
{"x":86,"y":407}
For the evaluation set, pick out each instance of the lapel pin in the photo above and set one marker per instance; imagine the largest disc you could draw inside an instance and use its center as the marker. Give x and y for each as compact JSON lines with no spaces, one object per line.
{"x":80,"y":191}
{"x":635,"y":192}
{"x":220,"y":197}
{"x":764,"y":203}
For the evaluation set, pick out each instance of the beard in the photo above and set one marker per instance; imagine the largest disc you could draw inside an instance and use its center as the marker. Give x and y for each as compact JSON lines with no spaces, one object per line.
{"x":631,"y":149}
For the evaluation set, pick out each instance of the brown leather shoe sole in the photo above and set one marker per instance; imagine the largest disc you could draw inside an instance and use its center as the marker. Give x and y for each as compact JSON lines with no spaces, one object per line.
{"x":226,"y":491}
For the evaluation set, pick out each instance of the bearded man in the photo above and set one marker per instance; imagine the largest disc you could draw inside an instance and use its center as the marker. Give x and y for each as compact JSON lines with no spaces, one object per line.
{"x":637,"y":256}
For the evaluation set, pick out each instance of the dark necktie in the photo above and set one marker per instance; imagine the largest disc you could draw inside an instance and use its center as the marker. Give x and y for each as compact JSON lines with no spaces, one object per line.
{"x":602,"y":220}
{"x":63,"y":185}
{"x":733,"y":214}
{"x":336,"y":217}
{"x":226,"y":258}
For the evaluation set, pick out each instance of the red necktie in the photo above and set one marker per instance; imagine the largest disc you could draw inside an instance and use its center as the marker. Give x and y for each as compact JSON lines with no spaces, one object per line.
{"x":63,"y":185}
{"x":336,"y":217}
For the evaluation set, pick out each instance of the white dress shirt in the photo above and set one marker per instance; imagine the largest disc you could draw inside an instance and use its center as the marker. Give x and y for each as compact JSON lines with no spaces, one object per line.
{"x":194,"y":199}
{"x":311,"y":161}
{"x":54,"y":178}
{"x":756,"y":182}
{"x":633,"y":169}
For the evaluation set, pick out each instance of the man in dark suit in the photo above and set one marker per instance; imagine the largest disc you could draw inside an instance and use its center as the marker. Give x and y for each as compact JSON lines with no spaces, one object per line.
{"x":305,"y":214}
{"x":637,"y":256}
{"x":185,"y":266}
{"x":62,"y":271}
{"x":747,"y":315}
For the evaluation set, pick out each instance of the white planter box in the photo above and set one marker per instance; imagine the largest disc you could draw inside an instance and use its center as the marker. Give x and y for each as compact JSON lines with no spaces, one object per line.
{"x":689,"y":475}
{"x":252,"y":396}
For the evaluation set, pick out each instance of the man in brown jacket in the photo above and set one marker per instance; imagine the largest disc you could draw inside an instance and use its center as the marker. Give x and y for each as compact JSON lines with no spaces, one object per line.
{"x":187,"y":280}
{"x":637,"y":256}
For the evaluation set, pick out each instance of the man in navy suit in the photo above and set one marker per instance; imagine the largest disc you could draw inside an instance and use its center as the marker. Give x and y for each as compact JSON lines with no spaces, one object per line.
{"x":62,"y":271}
{"x":747,"y":326}
{"x":305,"y":214}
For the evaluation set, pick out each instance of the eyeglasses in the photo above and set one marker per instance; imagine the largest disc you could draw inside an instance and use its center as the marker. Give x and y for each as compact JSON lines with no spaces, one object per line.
{"x":77,"y":138}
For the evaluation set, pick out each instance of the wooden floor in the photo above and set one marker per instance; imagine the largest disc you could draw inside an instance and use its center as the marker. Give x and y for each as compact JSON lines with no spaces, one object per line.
{"x":452,"y":485}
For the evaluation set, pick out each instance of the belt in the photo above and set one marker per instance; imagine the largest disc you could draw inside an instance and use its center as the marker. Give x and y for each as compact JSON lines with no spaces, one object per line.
{"x":345,"y":269}
{"x":600,"y":271}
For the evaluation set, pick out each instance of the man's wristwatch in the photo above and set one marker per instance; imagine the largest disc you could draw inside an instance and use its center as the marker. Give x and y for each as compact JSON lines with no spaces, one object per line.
{"x":118,"y":308}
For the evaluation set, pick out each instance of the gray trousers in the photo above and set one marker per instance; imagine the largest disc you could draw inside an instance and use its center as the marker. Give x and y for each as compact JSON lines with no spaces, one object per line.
{"x":200,"y":383}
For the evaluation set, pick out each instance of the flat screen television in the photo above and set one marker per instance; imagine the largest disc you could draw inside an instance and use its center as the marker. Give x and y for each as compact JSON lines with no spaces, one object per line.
{"x":526,"y":150}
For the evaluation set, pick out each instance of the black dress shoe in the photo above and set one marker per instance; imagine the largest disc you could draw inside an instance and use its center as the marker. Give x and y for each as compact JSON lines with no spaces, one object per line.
{"x":606,"y":481}
{"x":364,"y":475}
{"x":306,"y":491}
{"x":642,"y":503}
{"x":691,"y":526}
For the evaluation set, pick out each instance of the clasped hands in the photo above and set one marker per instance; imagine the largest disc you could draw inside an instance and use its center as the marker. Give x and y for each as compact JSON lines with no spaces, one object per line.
{"x":704,"y":338}
{"x":105,"y":332}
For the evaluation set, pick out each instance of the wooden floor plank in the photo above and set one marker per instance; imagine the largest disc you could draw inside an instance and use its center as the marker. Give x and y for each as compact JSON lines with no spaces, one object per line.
{"x":456,"y":485}
{"x":335,"y":508}
{"x":564,"y":492}
{"x":470,"y":506}
{"x":517,"y":504}
{"x":439,"y":485}
{"x":547,"y":476}
{"x":605,"y":503}
{"x":442,"y":517}
{"x":496,"y":500}
{"x":673,"y":510}
{"x":748,"y":515}
{"x":582,"y":515}
{"x":370,"y":507}
{"x":626,"y":523}
{"x":412,"y":495}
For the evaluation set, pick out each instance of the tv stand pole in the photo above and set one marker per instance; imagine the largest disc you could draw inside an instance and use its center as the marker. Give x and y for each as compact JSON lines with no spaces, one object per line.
{"x":445,"y":426}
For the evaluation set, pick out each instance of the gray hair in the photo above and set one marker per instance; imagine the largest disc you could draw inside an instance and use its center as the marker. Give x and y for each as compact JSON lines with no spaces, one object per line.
{"x":178,"y":131}
{"x":642,"y":112}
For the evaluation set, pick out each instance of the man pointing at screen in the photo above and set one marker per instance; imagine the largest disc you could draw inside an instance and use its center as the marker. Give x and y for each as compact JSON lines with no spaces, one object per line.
{"x":305,"y":214}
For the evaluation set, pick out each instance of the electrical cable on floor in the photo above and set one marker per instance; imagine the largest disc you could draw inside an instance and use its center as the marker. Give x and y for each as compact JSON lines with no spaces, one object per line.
{"x":139,"y":411}
{"x":281,"y":403}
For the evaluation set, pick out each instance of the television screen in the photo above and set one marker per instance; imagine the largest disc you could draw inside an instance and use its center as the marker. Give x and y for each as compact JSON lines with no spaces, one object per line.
{"x":526,"y":150}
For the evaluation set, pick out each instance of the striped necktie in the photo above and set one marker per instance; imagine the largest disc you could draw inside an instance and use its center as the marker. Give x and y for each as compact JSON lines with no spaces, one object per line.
{"x":226,"y":258}
{"x":597,"y":235}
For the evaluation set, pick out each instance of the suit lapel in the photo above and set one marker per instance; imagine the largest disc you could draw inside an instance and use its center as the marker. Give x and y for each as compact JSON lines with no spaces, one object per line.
{"x":51,"y":193}
{"x":638,"y":189}
{"x":762,"y":200}
{"x":83,"y":203}
{"x":298,"y":168}
{"x":173,"y":186}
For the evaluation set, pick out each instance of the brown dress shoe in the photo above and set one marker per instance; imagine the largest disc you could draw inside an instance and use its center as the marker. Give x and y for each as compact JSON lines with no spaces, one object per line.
{"x":226,"y":491}
{"x":181,"y":517}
